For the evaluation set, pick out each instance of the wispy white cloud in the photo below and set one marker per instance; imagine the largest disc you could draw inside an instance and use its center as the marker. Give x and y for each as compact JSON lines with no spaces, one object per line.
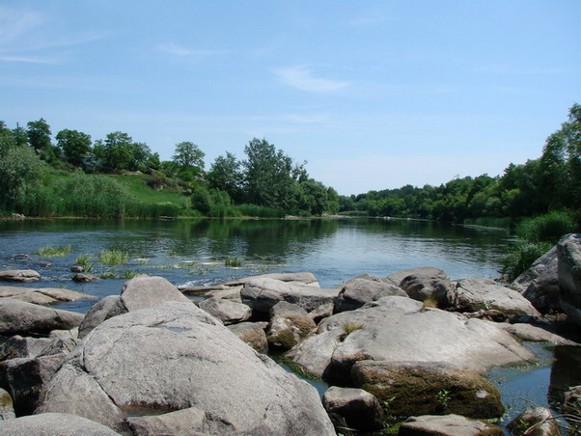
{"x":14,"y":23}
{"x":182,"y":51}
{"x":28,"y":59}
{"x":300,"y":77}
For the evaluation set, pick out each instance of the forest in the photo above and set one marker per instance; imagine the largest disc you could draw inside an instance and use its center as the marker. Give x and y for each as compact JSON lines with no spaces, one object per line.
{"x":74,"y":176}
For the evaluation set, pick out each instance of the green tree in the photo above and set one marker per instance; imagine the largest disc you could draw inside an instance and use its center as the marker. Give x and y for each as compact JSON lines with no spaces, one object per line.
{"x":115,"y":153}
{"x":268,"y":179}
{"x":190,"y":160}
{"x":226,"y":175}
{"x":39,"y":138}
{"x":75,"y":145}
{"x":20,"y":169}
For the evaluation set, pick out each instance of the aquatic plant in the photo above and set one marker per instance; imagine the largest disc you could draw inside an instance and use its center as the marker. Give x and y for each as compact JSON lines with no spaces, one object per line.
{"x":113,"y":257}
{"x":85,"y":261}
{"x":50,"y":251}
{"x":233,"y":262}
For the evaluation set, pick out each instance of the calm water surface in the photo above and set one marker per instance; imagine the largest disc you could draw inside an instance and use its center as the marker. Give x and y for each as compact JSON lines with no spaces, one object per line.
{"x":193,"y":252}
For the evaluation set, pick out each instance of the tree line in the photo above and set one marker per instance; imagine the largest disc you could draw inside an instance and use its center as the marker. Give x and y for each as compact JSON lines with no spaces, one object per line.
{"x":537,"y":187}
{"x":266,"y":178}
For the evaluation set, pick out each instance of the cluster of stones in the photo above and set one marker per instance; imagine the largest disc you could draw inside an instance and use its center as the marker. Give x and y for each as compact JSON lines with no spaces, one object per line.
{"x":413,"y":346}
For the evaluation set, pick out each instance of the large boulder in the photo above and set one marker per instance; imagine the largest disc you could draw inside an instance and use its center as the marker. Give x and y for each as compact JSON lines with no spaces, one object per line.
{"x":449,"y":425}
{"x":402,"y":329}
{"x":289,"y":325}
{"x":540,"y":283}
{"x":420,"y":388}
{"x":229,"y":312}
{"x":427,"y":272}
{"x":362,"y":290}
{"x":301,"y":278}
{"x":43,"y":295}
{"x":471,"y":295}
{"x":172,"y":357}
{"x":18,"y":347}
{"x":107,"y":307}
{"x":49,"y":424}
{"x":252,"y":333}
{"x":20,"y":275}
{"x":144,"y":291}
{"x":18,"y":317}
{"x":261,"y":294}
{"x":569,"y":255}
{"x":353,"y":408}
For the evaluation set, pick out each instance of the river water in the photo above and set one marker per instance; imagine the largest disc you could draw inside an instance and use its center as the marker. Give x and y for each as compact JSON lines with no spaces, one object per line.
{"x":194,"y":252}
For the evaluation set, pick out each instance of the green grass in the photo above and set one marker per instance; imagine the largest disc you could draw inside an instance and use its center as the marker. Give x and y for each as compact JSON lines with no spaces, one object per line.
{"x":113,"y":257}
{"x":233,"y":262}
{"x":49,"y":251}
{"x":86,"y":261}
{"x":546,"y":228}
{"x":521,"y":257}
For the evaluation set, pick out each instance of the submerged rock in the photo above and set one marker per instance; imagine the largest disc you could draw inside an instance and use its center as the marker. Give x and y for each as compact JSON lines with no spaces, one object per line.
{"x":174,"y":357}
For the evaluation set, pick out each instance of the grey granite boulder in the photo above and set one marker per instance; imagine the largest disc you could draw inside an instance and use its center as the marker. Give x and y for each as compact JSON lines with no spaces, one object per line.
{"x":43,"y":295}
{"x":540,"y":283}
{"x":102,"y":310}
{"x":471,"y":295}
{"x":448,"y":425}
{"x":6,"y":406}
{"x":401,"y":329}
{"x":537,"y":421}
{"x":353,"y":408}
{"x":18,"y":346}
{"x":427,"y":272}
{"x":51,"y":424}
{"x":434,"y":388}
{"x":18,"y":317}
{"x":173,"y":357}
{"x":569,"y":255}
{"x":362,"y":290}
{"x":144,"y":291}
{"x":289,"y":325}
{"x":301,"y":278}
{"x":20,"y":275}
{"x":252,"y":333}
{"x":229,"y":312}
{"x":261,"y":294}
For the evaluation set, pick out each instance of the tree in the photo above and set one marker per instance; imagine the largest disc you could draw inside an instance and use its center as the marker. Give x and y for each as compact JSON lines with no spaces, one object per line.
{"x":225,"y":174}
{"x":75,"y":145}
{"x":115,"y":153}
{"x":190,"y":160}
{"x":39,"y":138}
{"x":20,"y":168}
{"x":268,"y":177}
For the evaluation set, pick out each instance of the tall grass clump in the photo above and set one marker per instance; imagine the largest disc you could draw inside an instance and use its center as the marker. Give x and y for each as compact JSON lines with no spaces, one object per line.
{"x":521,"y":257}
{"x":85,"y":261}
{"x":113,"y":257}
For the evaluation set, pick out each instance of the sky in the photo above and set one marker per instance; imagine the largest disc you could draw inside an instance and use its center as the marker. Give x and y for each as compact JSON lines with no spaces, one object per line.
{"x":372,"y":94}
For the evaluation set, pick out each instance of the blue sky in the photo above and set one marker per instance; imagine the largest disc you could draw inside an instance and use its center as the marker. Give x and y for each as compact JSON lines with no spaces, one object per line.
{"x":373,"y":94}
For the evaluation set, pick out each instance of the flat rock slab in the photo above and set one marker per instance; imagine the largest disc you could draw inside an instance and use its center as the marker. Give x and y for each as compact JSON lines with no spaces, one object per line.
{"x":21,"y":318}
{"x":305,"y":278}
{"x":43,"y":295}
{"x":20,"y":275}
{"x":144,"y":291}
{"x":229,"y":312}
{"x":173,"y":357}
{"x":401,"y":329}
{"x":62,"y":424}
{"x":261,"y":294}
{"x":448,"y":425}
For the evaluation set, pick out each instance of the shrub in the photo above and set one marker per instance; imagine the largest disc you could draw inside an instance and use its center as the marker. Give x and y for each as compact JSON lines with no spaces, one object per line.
{"x":546,"y":228}
{"x":521,"y":257}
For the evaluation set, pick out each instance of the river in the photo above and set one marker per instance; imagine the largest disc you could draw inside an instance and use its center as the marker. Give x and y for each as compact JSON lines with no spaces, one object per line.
{"x":194,"y":252}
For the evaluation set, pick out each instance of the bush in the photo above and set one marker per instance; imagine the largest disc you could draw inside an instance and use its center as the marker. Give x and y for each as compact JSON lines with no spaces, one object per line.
{"x":546,"y":228}
{"x":252,"y":210}
{"x":521,"y":257}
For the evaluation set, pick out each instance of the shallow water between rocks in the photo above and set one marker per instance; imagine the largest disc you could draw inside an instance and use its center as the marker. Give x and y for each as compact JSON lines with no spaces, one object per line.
{"x":194,"y":252}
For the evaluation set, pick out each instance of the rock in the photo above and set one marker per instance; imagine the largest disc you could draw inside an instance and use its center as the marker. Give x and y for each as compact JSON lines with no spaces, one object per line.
{"x":569,"y":256}
{"x":23,"y":275}
{"x":77,"y":269}
{"x":359,"y":409}
{"x":190,"y":421}
{"x":231,"y":293}
{"x":289,"y":325}
{"x":449,"y":425}
{"x":537,"y":421}
{"x":421,"y":388}
{"x":565,"y":373}
{"x":363,"y":289}
{"x":42,"y":295}
{"x":261,"y":294}
{"x":426,"y":272}
{"x":401,"y":329}
{"x":322,"y":312}
{"x":104,"y":309}
{"x":172,"y":357}
{"x":229,"y":312}
{"x":528,"y":332}
{"x":144,"y":291}
{"x":471,"y":295}
{"x":302,"y":278}
{"x":540,"y":283}
{"x":18,"y":347}
{"x":48,"y":424}
{"x":421,"y":287}
{"x":6,"y":406}
{"x":18,"y":317}
{"x":572,"y":405}
{"x":252,"y":333}
{"x":25,"y":378}
{"x":65,"y":334}
{"x":83,"y":278}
